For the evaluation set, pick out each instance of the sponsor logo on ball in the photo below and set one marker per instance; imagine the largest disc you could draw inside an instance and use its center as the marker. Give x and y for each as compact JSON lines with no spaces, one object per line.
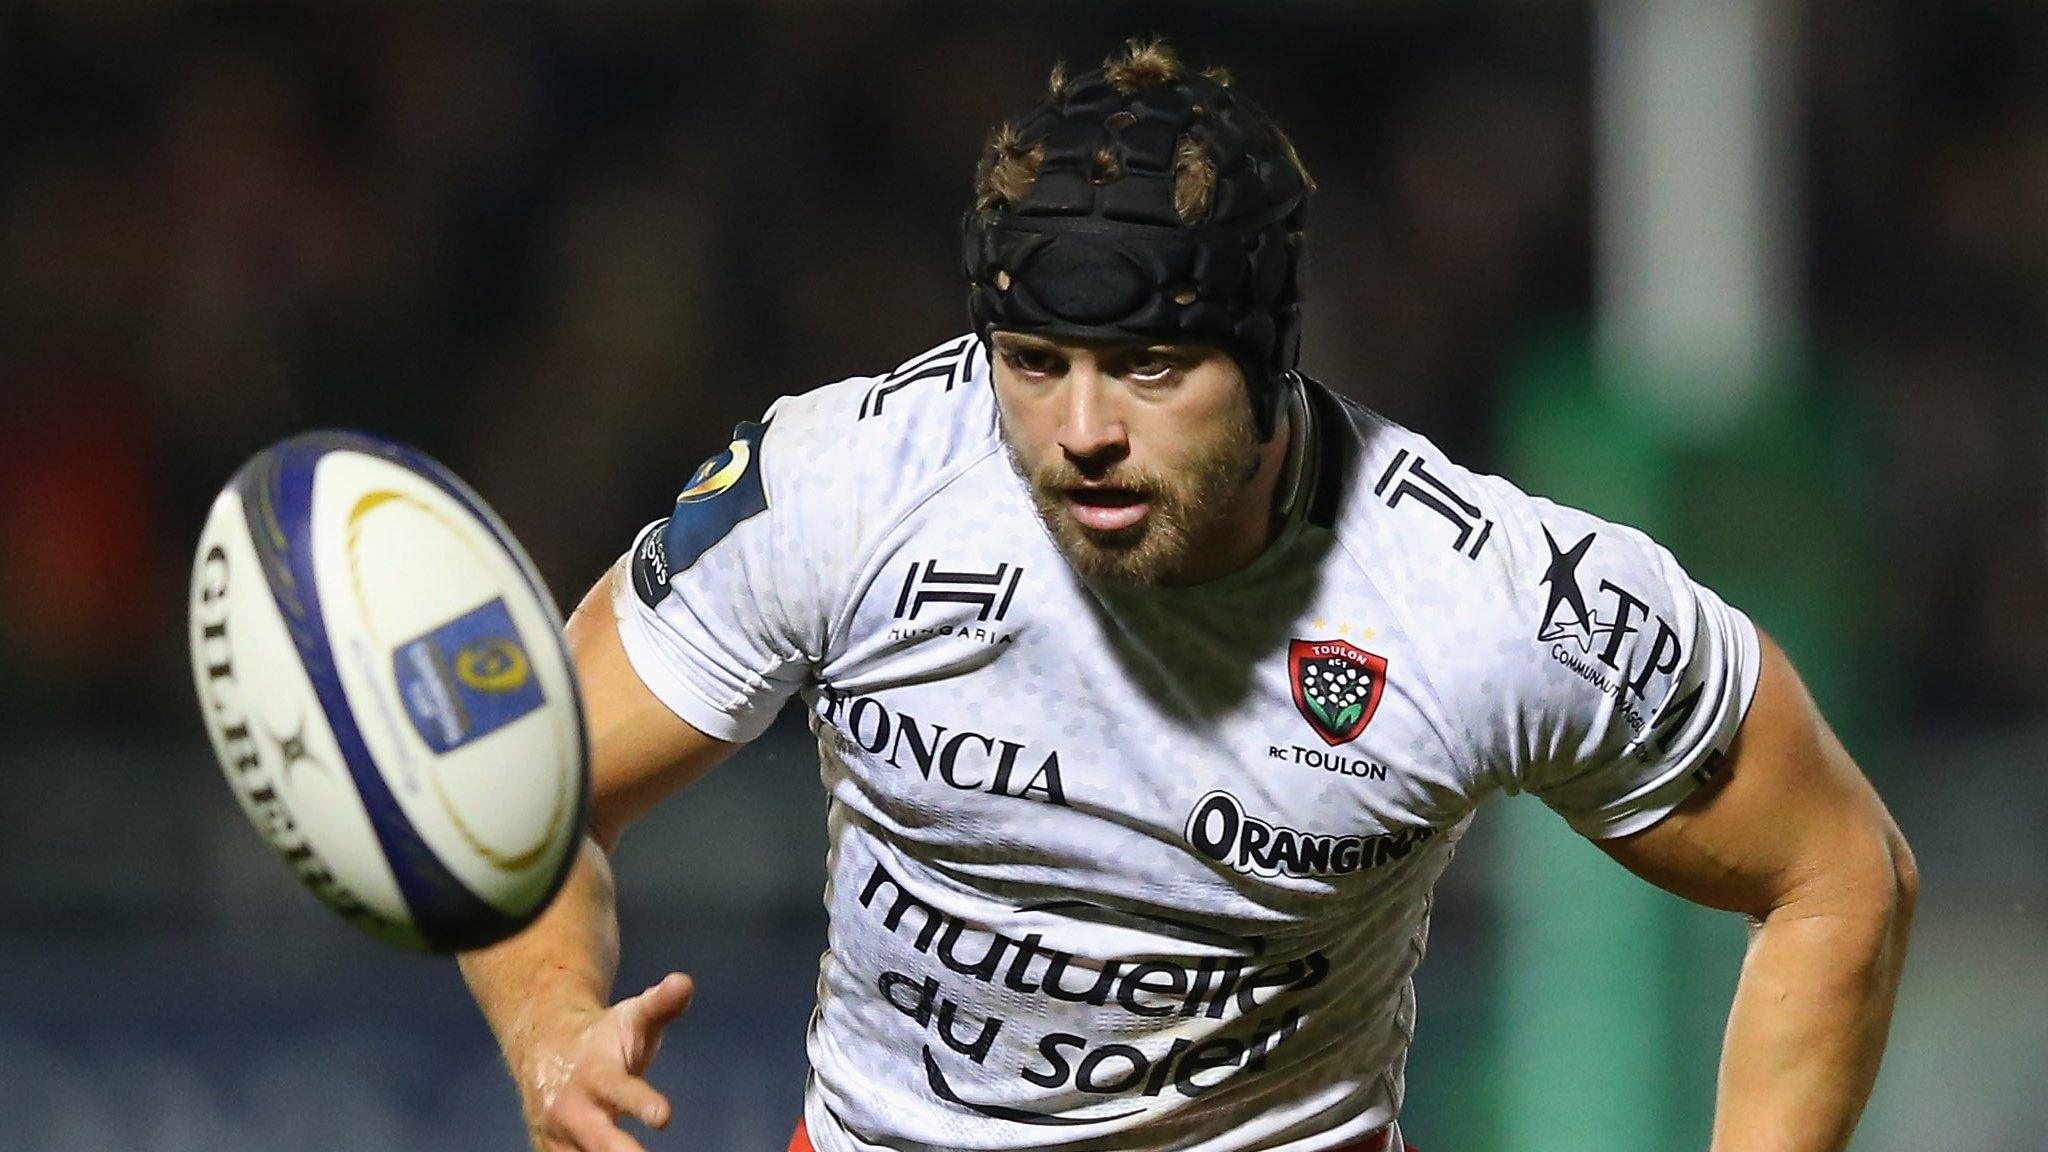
{"x":466,"y":679}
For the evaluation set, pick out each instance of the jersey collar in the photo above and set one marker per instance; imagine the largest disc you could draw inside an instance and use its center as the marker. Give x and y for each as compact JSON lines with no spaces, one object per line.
{"x":1304,"y":450}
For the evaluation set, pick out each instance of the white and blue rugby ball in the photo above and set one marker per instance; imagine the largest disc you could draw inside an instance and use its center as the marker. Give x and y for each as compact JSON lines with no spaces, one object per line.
{"x":383,"y":677}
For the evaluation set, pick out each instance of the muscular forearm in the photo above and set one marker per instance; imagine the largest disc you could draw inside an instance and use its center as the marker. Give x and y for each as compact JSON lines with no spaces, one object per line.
{"x":560,"y":969}
{"x":1809,"y":1023}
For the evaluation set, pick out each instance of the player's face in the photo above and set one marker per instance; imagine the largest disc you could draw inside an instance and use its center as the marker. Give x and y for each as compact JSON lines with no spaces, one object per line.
{"x":1139,"y":456}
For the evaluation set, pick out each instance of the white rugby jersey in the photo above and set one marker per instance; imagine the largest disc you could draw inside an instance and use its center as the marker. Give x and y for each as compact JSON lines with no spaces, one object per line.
{"x":1151,"y":869}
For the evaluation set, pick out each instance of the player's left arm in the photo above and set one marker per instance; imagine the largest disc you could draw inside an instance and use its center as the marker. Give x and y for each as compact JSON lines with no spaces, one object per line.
{"x":1790,"y":834}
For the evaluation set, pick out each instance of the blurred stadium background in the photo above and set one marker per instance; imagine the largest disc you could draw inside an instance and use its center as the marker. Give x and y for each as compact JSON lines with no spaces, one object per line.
{"x":1768,"y":277}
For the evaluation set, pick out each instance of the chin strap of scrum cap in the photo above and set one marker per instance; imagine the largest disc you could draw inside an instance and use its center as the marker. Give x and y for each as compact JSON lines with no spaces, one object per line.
{"x":1096,"y":249}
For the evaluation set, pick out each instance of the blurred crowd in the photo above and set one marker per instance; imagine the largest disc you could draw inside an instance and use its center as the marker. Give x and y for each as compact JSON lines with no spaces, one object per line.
{"x":565,"y":248}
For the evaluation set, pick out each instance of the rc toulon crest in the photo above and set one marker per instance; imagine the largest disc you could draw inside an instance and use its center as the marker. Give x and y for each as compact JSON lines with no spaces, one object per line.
{"x":1336,"y":686}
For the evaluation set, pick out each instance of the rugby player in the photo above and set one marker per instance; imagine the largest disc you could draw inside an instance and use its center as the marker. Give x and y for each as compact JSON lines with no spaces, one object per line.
{"x":1154,"y":685}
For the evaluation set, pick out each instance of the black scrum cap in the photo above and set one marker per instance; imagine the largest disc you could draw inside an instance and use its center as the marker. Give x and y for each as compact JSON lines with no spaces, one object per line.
{"x":1098,"y":250}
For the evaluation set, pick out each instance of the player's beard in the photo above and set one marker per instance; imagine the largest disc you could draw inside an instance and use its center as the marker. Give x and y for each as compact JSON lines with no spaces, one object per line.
{"x":1188,"y":504}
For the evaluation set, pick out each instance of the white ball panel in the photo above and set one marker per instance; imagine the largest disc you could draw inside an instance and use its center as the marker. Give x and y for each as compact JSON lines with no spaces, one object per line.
{"x":397,"y":560}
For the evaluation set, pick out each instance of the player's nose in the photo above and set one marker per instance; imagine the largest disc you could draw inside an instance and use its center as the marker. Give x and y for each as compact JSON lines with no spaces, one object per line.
{"x":1091,"y":426}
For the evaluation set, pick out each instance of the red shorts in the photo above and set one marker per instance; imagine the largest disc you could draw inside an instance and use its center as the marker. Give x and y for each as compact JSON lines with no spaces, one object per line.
{"x":801,"y":1142}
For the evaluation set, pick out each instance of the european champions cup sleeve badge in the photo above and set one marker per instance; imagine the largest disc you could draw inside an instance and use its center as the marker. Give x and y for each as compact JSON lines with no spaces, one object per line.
{"x":467,"y":678}
{"x":724,"y":491}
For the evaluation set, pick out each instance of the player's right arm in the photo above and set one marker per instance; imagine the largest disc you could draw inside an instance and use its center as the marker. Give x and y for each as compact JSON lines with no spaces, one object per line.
{"x":714,"y":618}
{"x":578,"y":1061}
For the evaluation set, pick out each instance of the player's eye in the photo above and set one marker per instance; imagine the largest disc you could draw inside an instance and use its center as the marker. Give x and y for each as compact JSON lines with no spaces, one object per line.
{"x":1153,"y":368}
{"x":1031,"y":361}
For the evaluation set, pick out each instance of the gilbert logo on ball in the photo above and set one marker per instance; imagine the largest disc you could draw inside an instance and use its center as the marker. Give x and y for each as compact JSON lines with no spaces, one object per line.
{"x":383,"y":677}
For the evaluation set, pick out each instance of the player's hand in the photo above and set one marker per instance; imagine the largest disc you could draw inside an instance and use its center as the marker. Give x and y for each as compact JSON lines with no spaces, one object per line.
{"x":578,"y":1081}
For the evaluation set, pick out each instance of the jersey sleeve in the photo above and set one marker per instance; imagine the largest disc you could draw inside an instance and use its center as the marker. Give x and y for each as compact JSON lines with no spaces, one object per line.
{"x":1631,"y":681}
{"x":741,"y":596}
{"x":718,"y":606}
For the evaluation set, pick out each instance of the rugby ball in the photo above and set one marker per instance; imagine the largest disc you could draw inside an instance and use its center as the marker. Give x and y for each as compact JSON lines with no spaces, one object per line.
{"x":383,"y":678}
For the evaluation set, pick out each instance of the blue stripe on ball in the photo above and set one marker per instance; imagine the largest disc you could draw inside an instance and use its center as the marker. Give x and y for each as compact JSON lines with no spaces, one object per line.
{"x":444,"y":478}
{"x":406,"y":456}
{"x":276,"y":490}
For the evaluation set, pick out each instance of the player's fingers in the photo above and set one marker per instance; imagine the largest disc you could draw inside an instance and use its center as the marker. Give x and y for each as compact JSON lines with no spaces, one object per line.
{"x":612,"y":1139}
{"x":585,"y":1126}
{"x":666,"y":1000}
{"x":647,"y":1014}
{"x":632,"y":1096}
